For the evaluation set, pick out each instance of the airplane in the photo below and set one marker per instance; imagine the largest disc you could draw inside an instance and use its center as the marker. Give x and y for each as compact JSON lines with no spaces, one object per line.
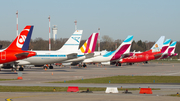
{"x":169,"y":51}
{"x":165,"y":48}
{"x":153,"y":53}
{"x":68,"y":51}
{"x":86,"y":51}
{"x":17,"y":49}
{"x":113,"y":56}
{"x":172,"y":49}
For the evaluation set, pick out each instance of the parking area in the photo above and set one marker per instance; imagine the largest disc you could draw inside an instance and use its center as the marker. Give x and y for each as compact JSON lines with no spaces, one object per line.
{"x":37,"y":76}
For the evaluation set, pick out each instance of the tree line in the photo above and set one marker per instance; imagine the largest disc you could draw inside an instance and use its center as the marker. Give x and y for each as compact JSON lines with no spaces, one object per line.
{"x":107,"y":43}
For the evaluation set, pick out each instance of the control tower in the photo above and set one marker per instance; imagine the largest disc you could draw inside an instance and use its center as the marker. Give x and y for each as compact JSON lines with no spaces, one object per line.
{"x":54,"y":30}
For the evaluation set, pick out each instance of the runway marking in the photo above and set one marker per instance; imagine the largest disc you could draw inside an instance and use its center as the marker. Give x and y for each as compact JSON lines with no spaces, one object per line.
{"x":9,"y":99}
{"x":172,"y":73}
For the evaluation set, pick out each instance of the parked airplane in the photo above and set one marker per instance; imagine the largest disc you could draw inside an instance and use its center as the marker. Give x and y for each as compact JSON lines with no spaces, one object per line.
{"x":165,"y":47}
{"x":153,"y":53}
{"x":121,"y":52}
{"x":18,"y":48}
{"x":86,"y":51}
{"x":170,"y":51}
{"x":68,"y":51}
{"x":172,"y":48}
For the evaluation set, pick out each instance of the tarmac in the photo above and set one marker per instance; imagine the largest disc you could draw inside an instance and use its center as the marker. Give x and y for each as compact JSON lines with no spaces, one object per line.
{"x":37,"y":76}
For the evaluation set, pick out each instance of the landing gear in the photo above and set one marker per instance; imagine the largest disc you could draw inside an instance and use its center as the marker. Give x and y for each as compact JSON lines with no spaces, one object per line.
{"x":118,"y":64}
{"x":80,"y":65}
{"x":130,"y":63}
{"x":84,"y":65}
{"x":45,"y":67}
{"x":12,"y":69}
{"x":50,"y":67}
{"x":21,"y":68}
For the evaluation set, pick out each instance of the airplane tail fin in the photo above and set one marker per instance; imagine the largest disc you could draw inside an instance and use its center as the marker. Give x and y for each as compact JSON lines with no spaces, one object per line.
{"x":72,"y":44}
{"x":90,"y":45}
{"x":22,"y":40}
{"x":172,"y":47}
{"x":165,"y":46}
{"x":158,"y":45}
{"x":123,"y":49}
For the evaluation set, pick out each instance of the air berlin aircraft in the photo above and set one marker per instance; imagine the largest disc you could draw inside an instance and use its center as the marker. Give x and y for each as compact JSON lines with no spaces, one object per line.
{"x":18,"y":48}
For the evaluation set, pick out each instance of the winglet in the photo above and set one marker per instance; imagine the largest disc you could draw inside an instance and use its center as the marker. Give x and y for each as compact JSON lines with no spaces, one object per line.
{"x":90,"y":45}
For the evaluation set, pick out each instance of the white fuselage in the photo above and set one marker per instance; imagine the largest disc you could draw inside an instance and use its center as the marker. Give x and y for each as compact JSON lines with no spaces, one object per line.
{"x":105,"y":57}
{"x":44,"y":57}
{"x":81,"y":56}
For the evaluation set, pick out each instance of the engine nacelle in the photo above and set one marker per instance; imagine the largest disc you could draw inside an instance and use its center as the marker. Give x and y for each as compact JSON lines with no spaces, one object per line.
{"x":108,"y":63}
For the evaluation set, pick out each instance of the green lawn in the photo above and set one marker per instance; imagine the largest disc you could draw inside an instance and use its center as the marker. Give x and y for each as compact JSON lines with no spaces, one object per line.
{"x":6,"y":79}
{"x":175,"y":95}
{"x":128,"y":79}
{"x":51,"y":89}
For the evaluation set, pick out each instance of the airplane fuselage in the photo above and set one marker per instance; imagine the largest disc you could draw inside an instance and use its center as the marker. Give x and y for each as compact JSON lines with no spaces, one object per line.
{"x":44,"y":57}
{"x":13,"y":55}
{"x":141,"y":57}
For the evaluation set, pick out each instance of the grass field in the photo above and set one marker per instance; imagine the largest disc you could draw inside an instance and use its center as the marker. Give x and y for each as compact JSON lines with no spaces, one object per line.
{"x":6,"y":79}
{"x":175,"y":95}
{"x":128,"y":79}
{"x":51,"y":89}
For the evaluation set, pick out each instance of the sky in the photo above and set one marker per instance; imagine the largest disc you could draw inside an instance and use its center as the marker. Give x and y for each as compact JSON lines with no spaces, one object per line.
{"x":147,"y":20}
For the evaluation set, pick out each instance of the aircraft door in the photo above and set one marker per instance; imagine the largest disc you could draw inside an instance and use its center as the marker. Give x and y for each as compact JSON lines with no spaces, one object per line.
{"x":3,"y":55}
{"x":147,"y":56}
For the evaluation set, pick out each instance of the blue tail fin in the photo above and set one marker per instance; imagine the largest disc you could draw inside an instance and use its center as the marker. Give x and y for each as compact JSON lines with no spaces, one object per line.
{"x":28,"y":39}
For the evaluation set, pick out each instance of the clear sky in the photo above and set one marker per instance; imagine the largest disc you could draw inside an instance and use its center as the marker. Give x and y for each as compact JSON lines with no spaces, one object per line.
{"x":145,"y":19}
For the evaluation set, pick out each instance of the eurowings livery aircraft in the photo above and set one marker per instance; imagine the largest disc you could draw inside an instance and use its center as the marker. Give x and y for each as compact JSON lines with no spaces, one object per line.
{"x":172,"y":48}
{"x":153,"y":53}
{"x":86,"y":51}
{"x":18,"y":48}
{"x":170,"y":51}
{"x":68,"y":51}
{"x":121,"y":52}
{"x":164,"y":50}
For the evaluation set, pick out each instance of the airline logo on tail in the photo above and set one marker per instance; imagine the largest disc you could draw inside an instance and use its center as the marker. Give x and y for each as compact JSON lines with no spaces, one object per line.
{"x":165,"y":45}
{"x":72,"y":44}
{"x":158,"y":45}
{"x":76,"y":39}
{"x":90,"y":45}
{"x":20,"y":41}
{"x":123,"y":49}
{"x":156,"y":48}
{"x":172,"y":47}
{"x":22,"y":37}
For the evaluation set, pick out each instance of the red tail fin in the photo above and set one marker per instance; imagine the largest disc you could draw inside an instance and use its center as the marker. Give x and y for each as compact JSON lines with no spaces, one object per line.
{"x":20,"y":39}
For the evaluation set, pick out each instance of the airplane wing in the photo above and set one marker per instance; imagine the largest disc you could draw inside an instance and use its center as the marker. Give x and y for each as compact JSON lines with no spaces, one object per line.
{"x":72,"y":56}
{"x":90,"y":55}
{"x":164,"y":55}
{"x":125,"y":55}
{"x":158,"y":55}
